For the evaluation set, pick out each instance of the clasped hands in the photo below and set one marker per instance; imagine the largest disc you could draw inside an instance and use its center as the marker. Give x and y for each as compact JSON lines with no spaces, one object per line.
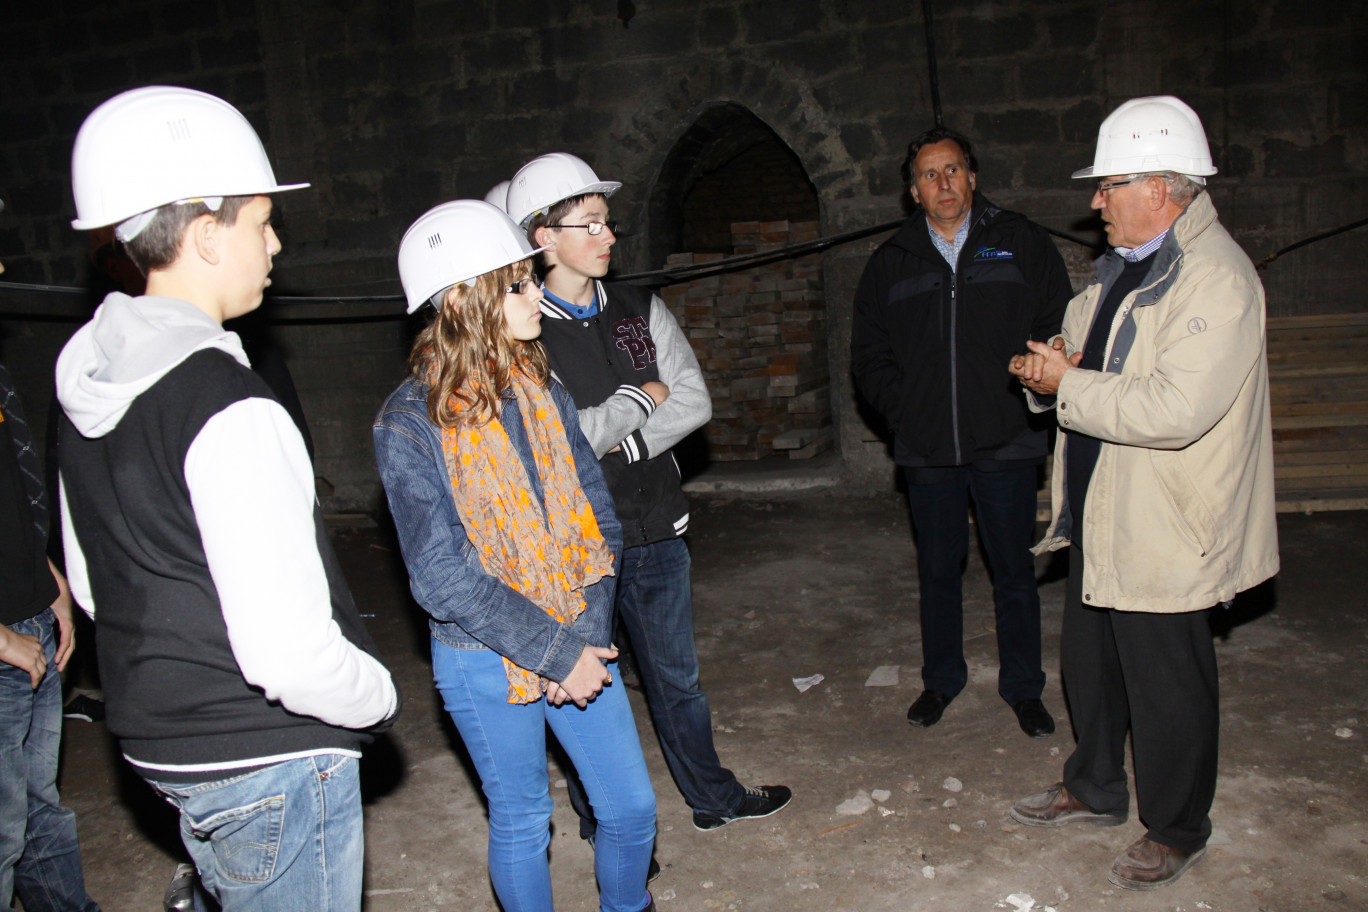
{"x":589,"y":676}
{"x":1041,"y":369}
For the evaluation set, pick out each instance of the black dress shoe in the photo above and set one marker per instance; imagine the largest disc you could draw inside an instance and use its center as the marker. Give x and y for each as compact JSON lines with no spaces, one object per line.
{"x":1034,"y":718}
{"x":927,"y":710}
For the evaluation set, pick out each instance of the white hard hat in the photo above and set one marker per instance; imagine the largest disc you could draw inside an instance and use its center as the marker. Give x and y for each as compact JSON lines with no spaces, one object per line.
{"x":498,"y":195}
{"x":454,"y":243}
{"x":545,"y":181}
{"x":1157,"y":133}
{"x":148,"y":147}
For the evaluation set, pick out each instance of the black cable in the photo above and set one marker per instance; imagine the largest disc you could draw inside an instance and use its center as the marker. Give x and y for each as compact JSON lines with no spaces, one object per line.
{"x":655,"y":278}
{"x":931,"y":61}
{"x":679,"y":274}
{"x":1311,"y":240}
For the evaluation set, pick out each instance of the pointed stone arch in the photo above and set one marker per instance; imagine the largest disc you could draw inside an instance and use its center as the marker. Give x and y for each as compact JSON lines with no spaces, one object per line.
{"x":642,"y":142}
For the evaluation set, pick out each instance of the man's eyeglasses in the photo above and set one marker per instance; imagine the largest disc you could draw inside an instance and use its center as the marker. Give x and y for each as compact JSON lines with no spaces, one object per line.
{"x":522,"y":285}
{"x":1104,"y":185}
{"x":594,"y":228}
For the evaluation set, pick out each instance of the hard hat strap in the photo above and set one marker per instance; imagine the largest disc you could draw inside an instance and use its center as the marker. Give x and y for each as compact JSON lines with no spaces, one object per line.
{"x":128,"y":229}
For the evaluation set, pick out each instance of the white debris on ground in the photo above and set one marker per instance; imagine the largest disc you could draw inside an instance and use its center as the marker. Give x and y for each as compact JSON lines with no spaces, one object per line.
{"x":881,"y":795}
{"x":883,"y":676}
{"x":1022,"y":902}
{"x":949,"y":803}
{"x":951,"y":784}
{"x":665,"y":895}
{"x":886,"y":812}
{"x":804,"y":683}
{"x":954,"y":827}
{"x":1344,"y":733}
{"x":929,"y":872}
{"x":853,"y":807}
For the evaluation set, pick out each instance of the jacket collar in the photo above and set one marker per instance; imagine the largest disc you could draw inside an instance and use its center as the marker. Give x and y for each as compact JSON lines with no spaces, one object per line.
{"x":1190,"y":224}
{"x":550,"y":308}
{"x":913,"y":236}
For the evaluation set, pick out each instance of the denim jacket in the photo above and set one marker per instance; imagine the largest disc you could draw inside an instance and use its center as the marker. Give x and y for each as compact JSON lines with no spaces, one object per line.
{"x":469,"y":608}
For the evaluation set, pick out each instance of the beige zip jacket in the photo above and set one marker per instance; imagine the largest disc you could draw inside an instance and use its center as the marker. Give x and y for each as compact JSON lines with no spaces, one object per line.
{"x":1180,"y":512}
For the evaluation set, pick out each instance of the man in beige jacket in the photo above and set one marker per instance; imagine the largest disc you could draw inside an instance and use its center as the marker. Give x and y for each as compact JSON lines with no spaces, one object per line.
{"x":1162,"y":488}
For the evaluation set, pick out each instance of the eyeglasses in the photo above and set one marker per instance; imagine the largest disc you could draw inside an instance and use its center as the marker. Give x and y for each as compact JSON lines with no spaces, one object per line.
{"x":1104,"y":185}
{"x":594,"y":228}
{"x":520,"y":285}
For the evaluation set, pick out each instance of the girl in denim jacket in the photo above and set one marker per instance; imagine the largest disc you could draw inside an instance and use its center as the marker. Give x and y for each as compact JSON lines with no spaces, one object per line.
{"x":510,"y":539}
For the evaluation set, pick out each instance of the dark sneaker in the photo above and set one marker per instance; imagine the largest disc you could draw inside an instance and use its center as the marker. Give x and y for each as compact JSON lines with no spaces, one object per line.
{"x":760,"y":801}
{"x":180,"y":893}
{"x":84,"y":707}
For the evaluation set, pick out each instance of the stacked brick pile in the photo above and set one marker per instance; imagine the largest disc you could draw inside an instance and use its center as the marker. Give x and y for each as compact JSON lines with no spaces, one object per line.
{"x":760,"y":337}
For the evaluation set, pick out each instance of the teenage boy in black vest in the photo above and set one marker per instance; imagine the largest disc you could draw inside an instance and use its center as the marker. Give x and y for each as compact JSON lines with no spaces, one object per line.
{"x":237,"y":674}
{"x":639,"y":391}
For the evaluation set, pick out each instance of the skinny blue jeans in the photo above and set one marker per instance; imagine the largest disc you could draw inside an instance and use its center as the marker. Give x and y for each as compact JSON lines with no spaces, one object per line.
{"x":507,"y":743}
{"x":287,"y":838}
{"x":39,"y":854}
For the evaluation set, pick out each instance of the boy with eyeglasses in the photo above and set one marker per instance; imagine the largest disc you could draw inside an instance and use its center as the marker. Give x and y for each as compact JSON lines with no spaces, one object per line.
{"x":639,"y":391}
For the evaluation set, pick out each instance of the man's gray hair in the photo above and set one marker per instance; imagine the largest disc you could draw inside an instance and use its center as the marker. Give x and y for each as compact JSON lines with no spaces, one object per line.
{"x":1182,"y":189}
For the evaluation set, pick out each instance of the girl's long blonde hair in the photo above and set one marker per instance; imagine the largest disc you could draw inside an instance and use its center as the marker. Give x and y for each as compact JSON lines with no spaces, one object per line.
{"x":465,"y":354}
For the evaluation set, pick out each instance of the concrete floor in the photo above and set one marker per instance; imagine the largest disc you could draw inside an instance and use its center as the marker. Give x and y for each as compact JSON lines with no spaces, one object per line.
{"x":824,"y":582}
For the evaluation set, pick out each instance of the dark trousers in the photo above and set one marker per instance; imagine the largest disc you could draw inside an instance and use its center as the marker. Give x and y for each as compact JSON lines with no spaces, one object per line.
{"x":655,"y":607}
{"x":1154,"y":674}
{"x":1004,"y":496}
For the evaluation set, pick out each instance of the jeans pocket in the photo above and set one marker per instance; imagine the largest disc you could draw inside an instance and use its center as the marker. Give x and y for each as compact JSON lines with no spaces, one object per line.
{"x":245,"y":840}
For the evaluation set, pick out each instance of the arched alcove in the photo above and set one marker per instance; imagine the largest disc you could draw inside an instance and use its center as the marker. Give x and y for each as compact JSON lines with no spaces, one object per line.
{"x":729,"y":166}
{"x":731,"y":186}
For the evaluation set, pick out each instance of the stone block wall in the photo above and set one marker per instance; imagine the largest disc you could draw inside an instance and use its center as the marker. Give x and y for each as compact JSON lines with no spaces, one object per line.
{"x":760,"y":338}
{"x":390,"y":106}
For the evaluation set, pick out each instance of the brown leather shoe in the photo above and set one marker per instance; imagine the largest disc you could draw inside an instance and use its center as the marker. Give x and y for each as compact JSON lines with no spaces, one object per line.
{"x":1056,"y":807}
{"x":1147,"y":865}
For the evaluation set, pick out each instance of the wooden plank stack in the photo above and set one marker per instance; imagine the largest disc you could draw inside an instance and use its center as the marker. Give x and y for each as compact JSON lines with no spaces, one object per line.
{"x":1318,"y":379}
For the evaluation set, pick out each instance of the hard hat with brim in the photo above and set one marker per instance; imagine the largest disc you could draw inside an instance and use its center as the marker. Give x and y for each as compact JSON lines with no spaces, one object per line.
{"x":550,"y":178}
{"x":1155,"y":133}
{"x":149,"y":147}
{"x":457,"y":242}
{"x":498,"y":195}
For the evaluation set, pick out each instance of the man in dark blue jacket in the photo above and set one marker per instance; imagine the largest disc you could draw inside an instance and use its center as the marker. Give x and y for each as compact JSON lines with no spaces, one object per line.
{"x":960,"y":286}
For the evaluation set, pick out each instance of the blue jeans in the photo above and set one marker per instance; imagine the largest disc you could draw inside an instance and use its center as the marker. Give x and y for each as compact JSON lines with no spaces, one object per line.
{"x":287,"y":838}
{"x":39,"y":855}
{"x":1005,"y":505}
{"x":655,"y":605}
{"x":507,"y":743}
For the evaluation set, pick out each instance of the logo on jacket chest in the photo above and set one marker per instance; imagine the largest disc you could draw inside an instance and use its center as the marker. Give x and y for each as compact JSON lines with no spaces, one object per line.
{"x":633,"y":336}
{"x":992,"y":253}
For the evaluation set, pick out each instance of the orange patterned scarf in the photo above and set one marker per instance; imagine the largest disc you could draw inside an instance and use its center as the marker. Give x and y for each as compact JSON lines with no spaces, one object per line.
{"x":549,"y":557}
